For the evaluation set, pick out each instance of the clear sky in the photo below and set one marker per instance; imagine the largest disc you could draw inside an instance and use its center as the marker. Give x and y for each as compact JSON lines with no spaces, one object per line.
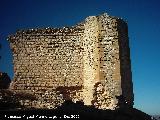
{"x":142,"y":16}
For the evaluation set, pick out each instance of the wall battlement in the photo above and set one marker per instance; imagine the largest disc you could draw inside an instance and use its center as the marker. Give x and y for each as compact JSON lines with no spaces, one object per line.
{"x":88,"y":62}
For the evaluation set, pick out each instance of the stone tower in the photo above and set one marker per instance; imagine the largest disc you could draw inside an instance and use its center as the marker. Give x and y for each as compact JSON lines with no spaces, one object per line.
{"x":88,"y":62}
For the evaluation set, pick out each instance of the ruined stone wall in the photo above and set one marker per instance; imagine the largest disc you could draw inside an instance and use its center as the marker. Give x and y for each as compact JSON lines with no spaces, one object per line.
{"x":45,"y":59}
{"x":125,"y":63}
{"x":109,"y":63}
{"x":85,"y":62}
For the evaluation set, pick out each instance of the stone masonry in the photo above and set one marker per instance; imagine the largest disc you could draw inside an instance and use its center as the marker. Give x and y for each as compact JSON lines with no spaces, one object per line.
{"x":88,"y":62}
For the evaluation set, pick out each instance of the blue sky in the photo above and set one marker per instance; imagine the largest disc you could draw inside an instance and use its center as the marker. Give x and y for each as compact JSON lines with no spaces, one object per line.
{"x":142,"y":17}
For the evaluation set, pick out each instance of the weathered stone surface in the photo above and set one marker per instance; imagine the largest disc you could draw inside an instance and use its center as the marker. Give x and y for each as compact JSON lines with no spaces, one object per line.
{"x":72,"y":61}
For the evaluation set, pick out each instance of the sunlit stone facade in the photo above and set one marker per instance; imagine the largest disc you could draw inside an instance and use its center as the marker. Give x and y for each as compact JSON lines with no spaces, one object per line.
{"x":88,"y":62}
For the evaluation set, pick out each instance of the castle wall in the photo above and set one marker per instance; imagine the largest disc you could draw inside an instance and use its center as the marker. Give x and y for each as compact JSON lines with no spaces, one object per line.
{"x":90,"y":58}
{"x":109,"y":61}
{"x":88,"y":62}
{"x":47,"y":61}
{"x":125,"y":63}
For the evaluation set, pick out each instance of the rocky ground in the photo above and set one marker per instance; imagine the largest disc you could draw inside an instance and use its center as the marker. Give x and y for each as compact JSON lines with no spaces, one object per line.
{"x":156,"y":117}
{"x":11,"y":108}
{"x":70,"y":110}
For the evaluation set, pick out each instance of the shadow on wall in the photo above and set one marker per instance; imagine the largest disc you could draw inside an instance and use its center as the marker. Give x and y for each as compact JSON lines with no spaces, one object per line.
{"x":125,"y":63}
